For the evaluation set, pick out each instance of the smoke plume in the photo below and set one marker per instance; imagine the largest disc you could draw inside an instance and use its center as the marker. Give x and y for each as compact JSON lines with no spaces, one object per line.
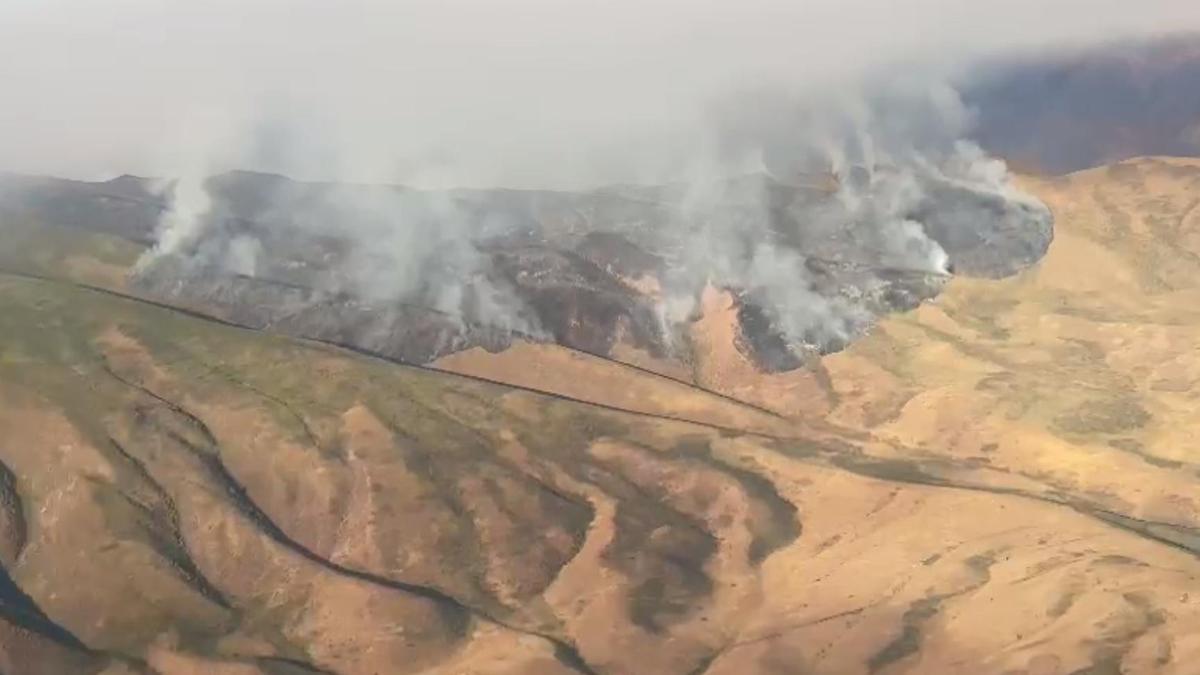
{"x":807,"y":202}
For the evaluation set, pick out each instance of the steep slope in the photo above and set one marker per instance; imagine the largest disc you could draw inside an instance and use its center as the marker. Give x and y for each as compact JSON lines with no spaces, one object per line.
{"x":998,"y":482}
{"x":210,"y":493}
{"x":1079,"y":373}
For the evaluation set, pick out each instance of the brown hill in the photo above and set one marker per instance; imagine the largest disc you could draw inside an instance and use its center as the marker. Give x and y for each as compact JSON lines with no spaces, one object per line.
{"x":997,"y":482}
{"x":1068,"y":384}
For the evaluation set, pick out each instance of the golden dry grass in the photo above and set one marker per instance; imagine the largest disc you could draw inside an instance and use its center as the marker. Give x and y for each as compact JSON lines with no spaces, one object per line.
{"x":1001,"y":481}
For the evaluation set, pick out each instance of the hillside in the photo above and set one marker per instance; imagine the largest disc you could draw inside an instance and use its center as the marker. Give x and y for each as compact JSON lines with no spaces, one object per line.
{"x":999,"y":481}
{"x":1072,"y":109}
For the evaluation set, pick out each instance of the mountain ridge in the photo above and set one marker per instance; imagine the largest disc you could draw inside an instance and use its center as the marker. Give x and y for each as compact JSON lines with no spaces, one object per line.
{"x":971,"y":484}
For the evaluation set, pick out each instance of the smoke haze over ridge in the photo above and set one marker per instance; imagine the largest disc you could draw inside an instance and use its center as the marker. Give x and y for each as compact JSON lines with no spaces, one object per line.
{"x":526,"y":93}
{"x":865,"y":186}
{"x":718,"y":104}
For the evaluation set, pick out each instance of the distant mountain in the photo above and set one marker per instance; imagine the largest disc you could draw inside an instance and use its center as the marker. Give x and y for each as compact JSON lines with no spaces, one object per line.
{"x":1057,"y":112}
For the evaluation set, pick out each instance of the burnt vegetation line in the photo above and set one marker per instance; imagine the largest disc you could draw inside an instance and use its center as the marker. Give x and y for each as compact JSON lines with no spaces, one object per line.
{"x":921,"y":479}
{"x":361,"y":351}
{"x":892,"y":471}
{"x":566,"y":652}
{"x":918,"y":478}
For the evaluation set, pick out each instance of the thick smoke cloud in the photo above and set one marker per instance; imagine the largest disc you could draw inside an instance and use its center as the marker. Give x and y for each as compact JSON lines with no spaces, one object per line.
{"x":861,"y":181}
{"x":528,"y":93}
{"x":804,"y":153}
{"x":886,"y":171}
{"x":379,"y":244}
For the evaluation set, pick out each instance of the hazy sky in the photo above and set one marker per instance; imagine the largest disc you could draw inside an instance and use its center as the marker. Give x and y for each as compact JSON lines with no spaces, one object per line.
{"x":521,"y":92}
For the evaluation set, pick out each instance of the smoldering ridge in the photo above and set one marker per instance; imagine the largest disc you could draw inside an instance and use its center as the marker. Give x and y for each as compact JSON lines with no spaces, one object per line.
{"x":860,"y":205}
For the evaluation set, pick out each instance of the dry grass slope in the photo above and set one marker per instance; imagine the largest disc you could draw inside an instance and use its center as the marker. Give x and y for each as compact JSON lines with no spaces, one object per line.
{"x":998,"y":482}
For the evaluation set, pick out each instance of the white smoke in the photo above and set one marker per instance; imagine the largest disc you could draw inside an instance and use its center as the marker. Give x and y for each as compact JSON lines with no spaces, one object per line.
{"x":243,"y":255}
{"x":206,"y":138}
{"x":862,"y":173}
{"x":851,"y":179}
{"x":386,"y":244}
{"x":186,"y":232}
{"x":182,"y":223}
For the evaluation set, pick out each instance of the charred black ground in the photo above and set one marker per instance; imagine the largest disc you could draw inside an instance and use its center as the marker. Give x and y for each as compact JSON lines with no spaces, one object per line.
{"x":587,"y":269}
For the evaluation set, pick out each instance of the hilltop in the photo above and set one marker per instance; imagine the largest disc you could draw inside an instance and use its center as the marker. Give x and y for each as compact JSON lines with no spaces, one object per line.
{"x":998,"y":480}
